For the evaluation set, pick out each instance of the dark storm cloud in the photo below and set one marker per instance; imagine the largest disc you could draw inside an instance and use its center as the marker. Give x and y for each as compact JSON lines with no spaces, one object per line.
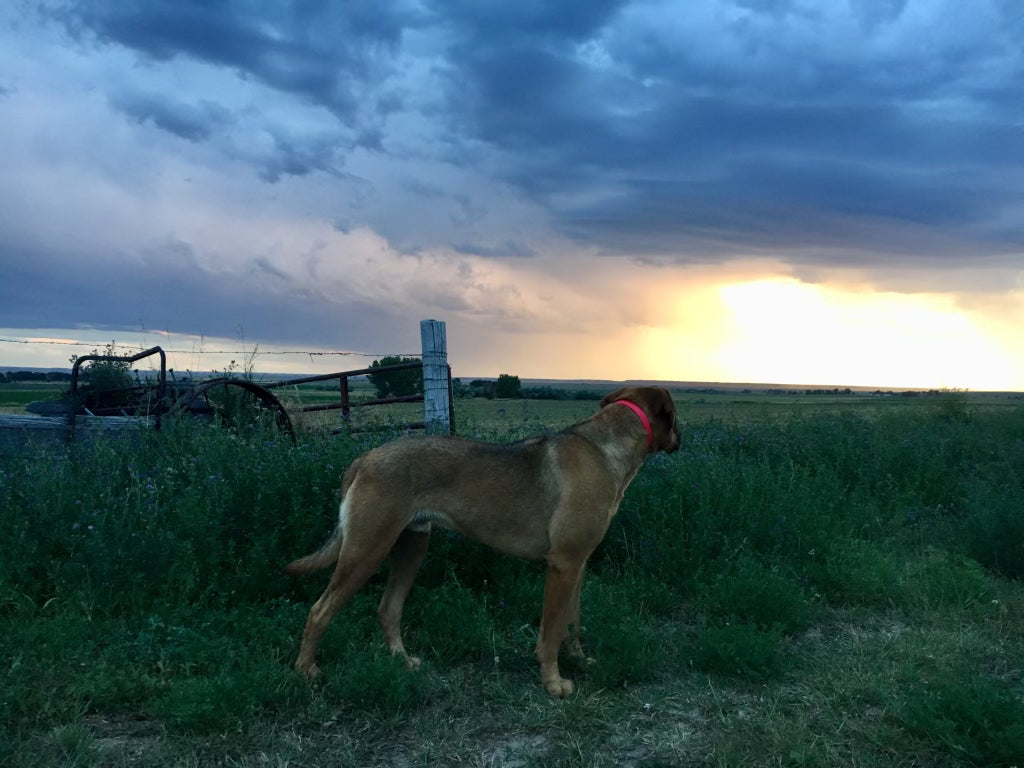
{"x":321,"y":51}
{"x":743,"y":137}
{"x":509,"y":248}
{"x":193,"y":122}
{"x":695,"y":129}
{"x":299,"y":156}
{"x":828,"y":211}
{"x":168,"y":290}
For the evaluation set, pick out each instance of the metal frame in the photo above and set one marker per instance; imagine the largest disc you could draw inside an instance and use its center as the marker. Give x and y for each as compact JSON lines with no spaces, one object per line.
{"x":346,"y":405}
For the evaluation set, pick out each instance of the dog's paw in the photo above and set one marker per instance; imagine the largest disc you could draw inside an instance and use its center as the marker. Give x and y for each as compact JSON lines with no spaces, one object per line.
{"x":413,"y":662}
{"x":580,"y":658}
{"x":559,"y":687}
{"x":311,"y":671}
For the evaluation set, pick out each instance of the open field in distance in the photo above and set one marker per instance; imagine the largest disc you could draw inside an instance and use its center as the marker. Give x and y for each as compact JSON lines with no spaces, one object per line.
{"x":713,"y":401}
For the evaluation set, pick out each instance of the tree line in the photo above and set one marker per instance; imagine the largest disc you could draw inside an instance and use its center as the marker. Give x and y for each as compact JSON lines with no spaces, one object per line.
{"x":409,"y":381}
{"x":12,"y":377}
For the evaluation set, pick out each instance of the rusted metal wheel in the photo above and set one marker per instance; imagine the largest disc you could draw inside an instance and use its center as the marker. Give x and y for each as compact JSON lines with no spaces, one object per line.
{"x":234,"y":403}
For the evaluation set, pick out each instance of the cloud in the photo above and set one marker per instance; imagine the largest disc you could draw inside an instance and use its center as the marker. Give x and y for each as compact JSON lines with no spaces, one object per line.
{"x":170,"y":290}
{"x":298,"y":166}
{"x":780,"y":119}
{"x":508,"y":249}
{"x":814,"y":120}
{"x":192,"y":122}
{"x":324,"y":52}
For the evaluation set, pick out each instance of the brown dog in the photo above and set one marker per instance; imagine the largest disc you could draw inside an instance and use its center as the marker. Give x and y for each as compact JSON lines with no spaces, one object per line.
{"x":545,"y":498}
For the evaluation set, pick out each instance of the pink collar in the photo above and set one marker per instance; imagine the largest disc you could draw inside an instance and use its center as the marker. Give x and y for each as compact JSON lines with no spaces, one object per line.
{"x":643,"y":419}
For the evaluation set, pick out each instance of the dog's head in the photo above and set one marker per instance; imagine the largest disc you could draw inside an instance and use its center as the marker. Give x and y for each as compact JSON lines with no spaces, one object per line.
{"x":657,"y":403}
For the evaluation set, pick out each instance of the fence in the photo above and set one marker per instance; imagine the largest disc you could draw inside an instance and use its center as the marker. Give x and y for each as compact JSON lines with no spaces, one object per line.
{"x":345,"y":403}
{"x":68,"y":423}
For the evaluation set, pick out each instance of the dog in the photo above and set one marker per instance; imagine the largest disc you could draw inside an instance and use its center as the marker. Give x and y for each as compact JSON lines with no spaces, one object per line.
{"x":547,"y":498}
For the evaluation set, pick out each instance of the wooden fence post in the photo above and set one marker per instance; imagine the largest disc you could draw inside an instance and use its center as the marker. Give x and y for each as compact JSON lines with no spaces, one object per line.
{"x":436,"y":416}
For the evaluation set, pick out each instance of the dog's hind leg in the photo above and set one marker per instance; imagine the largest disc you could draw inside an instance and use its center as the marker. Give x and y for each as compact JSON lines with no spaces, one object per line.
{"x":406,"y":557}
{"x":356,"y":564}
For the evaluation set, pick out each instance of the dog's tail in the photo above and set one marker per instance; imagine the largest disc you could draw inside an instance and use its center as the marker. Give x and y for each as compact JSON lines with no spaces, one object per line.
{"x":327,"y":555}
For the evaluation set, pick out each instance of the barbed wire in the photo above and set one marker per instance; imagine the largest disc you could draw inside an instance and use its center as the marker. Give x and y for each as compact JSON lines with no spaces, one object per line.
{"x":254,"y":351}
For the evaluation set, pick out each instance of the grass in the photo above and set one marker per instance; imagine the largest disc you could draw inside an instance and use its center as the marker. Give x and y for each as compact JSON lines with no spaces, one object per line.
{"x":841,"y":586}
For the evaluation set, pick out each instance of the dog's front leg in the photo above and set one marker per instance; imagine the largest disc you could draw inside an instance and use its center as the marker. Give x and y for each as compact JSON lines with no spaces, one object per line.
{"x":559,"y":592}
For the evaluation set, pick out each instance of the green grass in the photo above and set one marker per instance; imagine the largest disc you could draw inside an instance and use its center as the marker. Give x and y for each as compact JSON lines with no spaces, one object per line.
{"x":837,"y":587}
{"x":15,"y":396}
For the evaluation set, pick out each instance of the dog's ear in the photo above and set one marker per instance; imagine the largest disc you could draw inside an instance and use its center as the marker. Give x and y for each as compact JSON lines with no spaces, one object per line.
{"x":612,"y":397}
{"x":663,"y":410}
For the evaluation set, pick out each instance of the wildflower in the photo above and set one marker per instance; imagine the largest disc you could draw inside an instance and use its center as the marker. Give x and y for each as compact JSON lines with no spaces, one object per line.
{"x":75,"y":526}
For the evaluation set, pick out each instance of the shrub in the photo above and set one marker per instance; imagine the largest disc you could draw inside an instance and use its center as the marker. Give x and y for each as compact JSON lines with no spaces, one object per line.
{"x":749,"y":592}
{"x":992,"y":530}
{"x":858,"y":572}
{"x":230,"y":699}
{"x":376,"y":681}
{"x":975,"y":719}
{"x":451,"y":622}
{"x":620,"y":634}
{"x":938,"y":580}
{"x":738,"y":649}
{"x":106,"y":374}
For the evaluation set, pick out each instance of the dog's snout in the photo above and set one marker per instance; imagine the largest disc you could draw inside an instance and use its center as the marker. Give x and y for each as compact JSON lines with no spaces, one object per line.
{"x":676,"y":439}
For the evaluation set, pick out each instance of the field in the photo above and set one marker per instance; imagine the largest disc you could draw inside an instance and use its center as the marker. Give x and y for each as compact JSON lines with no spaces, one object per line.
{"x":14,"y":397}
{"x":809,"y":581}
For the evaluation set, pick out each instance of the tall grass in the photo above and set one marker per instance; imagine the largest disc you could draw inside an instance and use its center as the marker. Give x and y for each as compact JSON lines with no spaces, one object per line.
{"x":145,"y":577}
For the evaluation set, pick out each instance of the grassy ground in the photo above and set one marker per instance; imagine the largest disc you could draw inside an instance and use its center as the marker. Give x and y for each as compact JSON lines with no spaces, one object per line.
{"x":841,"y":586}
{"x":14,"y":397}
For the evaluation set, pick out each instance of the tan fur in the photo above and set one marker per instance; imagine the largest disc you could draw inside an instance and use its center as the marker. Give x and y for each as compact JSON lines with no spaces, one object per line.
{"x":546,"y":498}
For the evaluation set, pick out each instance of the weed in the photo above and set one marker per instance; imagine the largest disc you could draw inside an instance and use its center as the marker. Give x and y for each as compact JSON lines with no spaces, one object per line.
{"x":938,"y":580}
{"x":452,"y":622}
{"x":629,"y":646}
{"x":974,"y":719}
{"x":750,"y":592}
{"x":375,"y":681}
{"x":858,"y":572}
{"x":738,"y":649}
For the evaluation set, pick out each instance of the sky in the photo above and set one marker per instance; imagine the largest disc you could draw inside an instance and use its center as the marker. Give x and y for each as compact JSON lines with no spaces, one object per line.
{"x":825,"y":192}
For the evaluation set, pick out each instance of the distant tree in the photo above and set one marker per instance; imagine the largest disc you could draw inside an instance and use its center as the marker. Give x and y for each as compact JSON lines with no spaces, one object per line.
{"x":26,"y":376}
{"x":507,"y":386}
{"x":58,"y":376}
{"x":408,"y":381}
{"x":3,"y":377}
{"x":459,"y":389}
{"x":481,"y":388}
